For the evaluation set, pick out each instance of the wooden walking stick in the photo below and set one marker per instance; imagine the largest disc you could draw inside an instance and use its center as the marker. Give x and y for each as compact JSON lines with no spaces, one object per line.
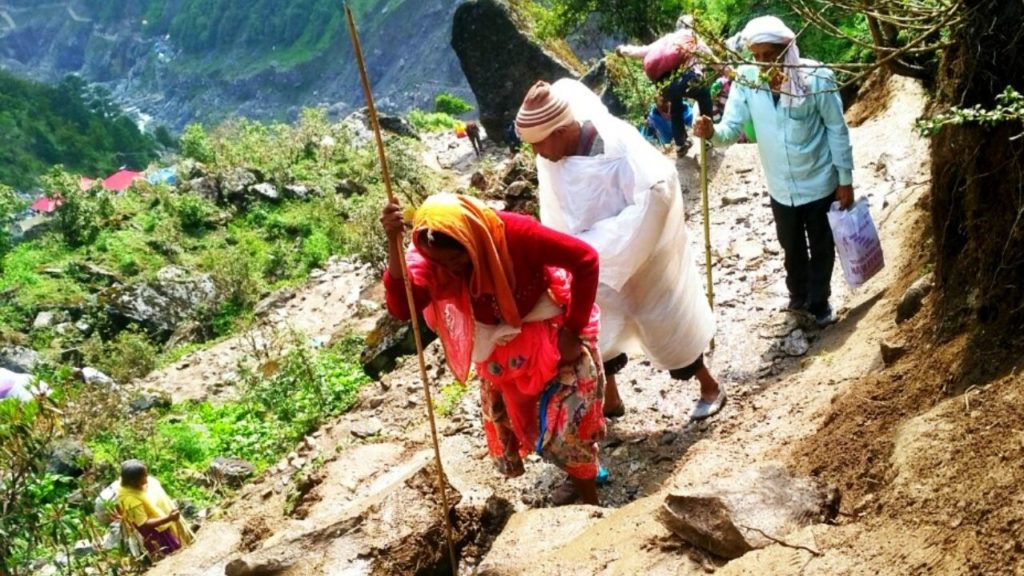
{"x":707,"y":222}
{"x":372,"y":112}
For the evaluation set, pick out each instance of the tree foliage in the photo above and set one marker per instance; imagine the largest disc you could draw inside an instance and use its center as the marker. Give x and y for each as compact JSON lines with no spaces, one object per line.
{"x":70,"y":124}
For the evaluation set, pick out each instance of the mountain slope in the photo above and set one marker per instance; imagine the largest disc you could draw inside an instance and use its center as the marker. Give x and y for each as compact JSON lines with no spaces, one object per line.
{"x":185,"y":60}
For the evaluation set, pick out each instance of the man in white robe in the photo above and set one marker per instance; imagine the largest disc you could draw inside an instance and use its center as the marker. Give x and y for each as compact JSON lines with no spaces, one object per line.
{"x":603,"y":183}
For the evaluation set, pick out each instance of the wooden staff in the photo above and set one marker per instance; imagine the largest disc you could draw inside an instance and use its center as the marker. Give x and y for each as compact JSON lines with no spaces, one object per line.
{"x":372,"y":111}
{"x":707,"y":222}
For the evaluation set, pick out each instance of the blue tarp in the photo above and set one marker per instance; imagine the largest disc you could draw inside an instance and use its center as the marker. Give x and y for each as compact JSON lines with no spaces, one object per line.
{"x":163,"y":176}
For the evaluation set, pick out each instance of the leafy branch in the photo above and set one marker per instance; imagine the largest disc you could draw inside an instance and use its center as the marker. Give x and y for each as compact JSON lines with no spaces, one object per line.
{"x":1009,"y":108}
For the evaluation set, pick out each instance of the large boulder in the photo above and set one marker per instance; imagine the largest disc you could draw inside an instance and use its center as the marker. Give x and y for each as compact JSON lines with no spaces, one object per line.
{"x":19,"y":359}
{"x":69,"y":457}
{"x":231,"y":471}
{"x":500,"y":61}
{"x":161,"y":305}
{"x":748,"y":511}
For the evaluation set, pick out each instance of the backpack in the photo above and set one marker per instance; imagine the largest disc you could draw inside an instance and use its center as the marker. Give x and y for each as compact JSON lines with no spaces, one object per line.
{"x":667,"y":54}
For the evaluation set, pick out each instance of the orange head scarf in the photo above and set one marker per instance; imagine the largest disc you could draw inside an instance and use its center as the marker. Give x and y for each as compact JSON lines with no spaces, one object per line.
{"x":482,"y":233}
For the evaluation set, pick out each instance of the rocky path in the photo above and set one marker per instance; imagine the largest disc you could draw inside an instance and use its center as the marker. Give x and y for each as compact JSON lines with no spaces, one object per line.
{"x":336,"y":504}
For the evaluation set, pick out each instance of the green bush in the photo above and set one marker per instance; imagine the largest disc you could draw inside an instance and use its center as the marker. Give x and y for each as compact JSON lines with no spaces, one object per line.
{"x":9,"y":206}
{"x":79,"y":216}
{"x":193,"y":212}
{"x":430,"y":121}
{"x":128,"y":356}
{"x":451,"y":104}
{"x":195,"y":144}
{"x":316,"y":249}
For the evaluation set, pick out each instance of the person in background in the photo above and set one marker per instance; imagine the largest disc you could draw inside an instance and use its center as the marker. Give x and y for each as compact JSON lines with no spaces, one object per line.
{"x":517,"y":300}
{"x":805,"y":150}
{"x":145,"y":507}
{"x":473,"y":132}
{"x":512,"y":138}
{"x":672,"y":63}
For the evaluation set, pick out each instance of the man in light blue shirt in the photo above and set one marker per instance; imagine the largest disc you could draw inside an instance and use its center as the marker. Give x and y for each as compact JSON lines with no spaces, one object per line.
{"x":805,"y":151}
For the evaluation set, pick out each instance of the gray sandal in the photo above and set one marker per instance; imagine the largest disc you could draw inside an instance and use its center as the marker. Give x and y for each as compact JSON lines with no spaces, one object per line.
{"x":705,"y":409}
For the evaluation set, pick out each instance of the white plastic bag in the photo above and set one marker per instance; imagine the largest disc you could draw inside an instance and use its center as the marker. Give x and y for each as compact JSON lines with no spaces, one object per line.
{"x":860,"y":251}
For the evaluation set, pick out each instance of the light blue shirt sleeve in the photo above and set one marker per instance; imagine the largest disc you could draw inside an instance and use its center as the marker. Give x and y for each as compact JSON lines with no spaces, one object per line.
{"x":830,"y":106}
{"x":737,"y":111}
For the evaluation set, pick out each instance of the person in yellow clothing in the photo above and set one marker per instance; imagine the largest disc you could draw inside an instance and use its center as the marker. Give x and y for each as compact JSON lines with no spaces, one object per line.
{"x":146,"y":508}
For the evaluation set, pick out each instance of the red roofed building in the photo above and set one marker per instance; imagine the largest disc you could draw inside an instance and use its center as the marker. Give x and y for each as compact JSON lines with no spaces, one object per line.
{"x":121,"y":180}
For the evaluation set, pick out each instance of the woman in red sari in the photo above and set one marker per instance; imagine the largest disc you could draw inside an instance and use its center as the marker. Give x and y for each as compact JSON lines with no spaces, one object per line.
{"x":516,"y":299}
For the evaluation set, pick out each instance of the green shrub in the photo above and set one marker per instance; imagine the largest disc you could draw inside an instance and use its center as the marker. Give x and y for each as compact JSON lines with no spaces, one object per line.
{"x":430,"y":121}
{"x":195,"y":144}
{"x":128,"y":356}
{"x":78,"y":217}
{"x":316,"y":249}
{"x":9,"y":206}
{"x":193,"y":212}
{"x":450,"y":104}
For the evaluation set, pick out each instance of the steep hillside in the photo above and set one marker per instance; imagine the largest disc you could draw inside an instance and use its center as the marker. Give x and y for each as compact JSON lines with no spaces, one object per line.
{"x":68,"y":124}
{"x":184,"y":60}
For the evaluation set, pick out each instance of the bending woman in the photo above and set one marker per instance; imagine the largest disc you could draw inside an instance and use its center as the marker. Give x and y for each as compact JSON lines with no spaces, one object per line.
{"x":146,"y":507}
{"x":517,"y":300}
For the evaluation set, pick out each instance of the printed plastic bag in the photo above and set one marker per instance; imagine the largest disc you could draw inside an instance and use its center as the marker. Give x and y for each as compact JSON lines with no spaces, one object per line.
{"x":860,"y":251}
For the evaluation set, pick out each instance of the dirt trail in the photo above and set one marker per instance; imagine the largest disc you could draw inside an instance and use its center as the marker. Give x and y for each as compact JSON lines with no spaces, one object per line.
{"x":781,"y":404}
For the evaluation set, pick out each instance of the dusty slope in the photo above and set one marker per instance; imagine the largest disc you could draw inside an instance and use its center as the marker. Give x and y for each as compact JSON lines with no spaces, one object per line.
{"x":904,"y":456}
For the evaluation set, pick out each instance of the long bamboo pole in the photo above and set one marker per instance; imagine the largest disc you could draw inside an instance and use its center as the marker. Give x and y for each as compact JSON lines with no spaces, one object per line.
{"x":372,"y":111}
{"x":707,"y":222}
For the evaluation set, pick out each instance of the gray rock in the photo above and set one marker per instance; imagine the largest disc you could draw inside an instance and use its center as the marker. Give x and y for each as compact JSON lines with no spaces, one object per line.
{"x":912,"y":300}
{"x":19,"y":359}
{"x":296,"y":191}
{"x":83,"y":327}
{"x":734,"y":516}
{"x":795,"y":344}
{"x":231,"y":471}
{"x":349,"y":187}
{"x":275,"y":300}
{"x":389,"y":340}
{"x":205,"y":187}
{"x":266,"y":191}
{"x":738,"y":196}
{"x":65,"y":329}
{"x":45,"y":319}
{"x":367,"y":427}
{"x":97,"y":273}
{"x":94,"y":377}
{"x":500,"y":61}
{"x":149,"y":400}
{"x":69,"y":457}
{"x":236,"y":181}
{"x":161,"y":305}
{"x":185,"y":333}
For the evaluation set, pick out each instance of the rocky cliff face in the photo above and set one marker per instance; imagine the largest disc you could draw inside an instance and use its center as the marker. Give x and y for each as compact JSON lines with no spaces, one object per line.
{"x":500,"y":61}
{"x":113,"y":43}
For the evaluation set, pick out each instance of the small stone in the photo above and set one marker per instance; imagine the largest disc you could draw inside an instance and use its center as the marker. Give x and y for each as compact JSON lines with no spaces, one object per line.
{"x":667,"y":438}
{"x":376,"y":401}
{"x":795,"y":344}
{"x":891,"y":352}
{"x":367,"y":428}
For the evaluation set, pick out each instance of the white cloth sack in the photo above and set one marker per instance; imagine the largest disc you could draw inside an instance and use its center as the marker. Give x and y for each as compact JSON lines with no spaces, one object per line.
{"x":857,"y":243}
{"x":627,"y":204}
